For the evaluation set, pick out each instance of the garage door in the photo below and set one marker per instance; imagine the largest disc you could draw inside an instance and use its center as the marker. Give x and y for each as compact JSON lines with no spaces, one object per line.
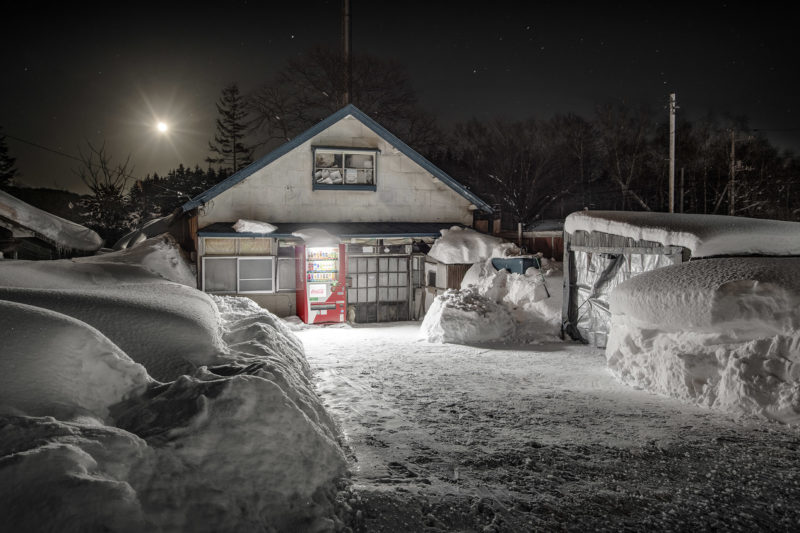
{"x":379,"y":288}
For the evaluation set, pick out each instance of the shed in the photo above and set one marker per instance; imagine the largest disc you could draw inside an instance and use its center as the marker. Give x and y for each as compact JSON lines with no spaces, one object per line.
{"x":604,"y":248}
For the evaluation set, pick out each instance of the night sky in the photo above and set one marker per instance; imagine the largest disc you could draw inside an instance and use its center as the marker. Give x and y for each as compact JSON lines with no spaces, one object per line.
{"x":105,"y":75}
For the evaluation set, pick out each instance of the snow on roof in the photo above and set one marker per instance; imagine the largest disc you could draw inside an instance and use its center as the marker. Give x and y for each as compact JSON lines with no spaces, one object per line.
{"x":703,"y":235}
{"x":61,"y":232}
{"x":244,"y":225}
{"x":464,"y":245}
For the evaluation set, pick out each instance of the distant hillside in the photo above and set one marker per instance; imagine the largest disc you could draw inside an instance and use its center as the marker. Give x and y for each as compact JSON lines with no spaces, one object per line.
{"x":58,"y":202}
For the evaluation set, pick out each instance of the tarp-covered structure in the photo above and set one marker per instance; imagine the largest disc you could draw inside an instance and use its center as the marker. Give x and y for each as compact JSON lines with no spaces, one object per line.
{"x":604,"y":248}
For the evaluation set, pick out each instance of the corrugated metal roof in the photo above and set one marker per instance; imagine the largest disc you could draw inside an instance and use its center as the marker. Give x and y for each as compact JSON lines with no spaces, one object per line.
{"x":319,"y":128}
{"x":373,"y":230}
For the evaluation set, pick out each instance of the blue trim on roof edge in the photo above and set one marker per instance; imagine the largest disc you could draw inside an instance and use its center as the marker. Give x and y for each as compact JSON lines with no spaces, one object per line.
{"x":318,"y":128}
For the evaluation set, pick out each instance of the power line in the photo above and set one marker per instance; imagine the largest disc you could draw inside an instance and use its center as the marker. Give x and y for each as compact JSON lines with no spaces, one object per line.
{"x":74,"y":158}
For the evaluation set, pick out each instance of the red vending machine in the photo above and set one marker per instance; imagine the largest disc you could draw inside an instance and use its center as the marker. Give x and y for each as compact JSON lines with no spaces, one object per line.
{"x":320,"y":283}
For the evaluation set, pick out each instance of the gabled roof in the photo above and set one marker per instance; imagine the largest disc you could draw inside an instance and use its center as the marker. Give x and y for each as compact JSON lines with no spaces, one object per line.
{"x":349,"y":109}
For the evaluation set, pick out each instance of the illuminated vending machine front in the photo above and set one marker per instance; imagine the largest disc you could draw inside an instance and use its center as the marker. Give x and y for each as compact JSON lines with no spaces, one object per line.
{"x":321,"y":293}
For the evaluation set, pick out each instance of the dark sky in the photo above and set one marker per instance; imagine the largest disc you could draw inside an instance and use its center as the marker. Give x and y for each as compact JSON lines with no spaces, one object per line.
{"x":106,"y":75}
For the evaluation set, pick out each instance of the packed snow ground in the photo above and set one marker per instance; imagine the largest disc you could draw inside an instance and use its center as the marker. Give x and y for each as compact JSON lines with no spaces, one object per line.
{"x":541,"y":437}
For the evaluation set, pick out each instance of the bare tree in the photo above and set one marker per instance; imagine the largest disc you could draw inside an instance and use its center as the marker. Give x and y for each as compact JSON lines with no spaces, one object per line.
{"x":312,"y":86}
{"x":624,"y":136}
{"x":104,"y":209}
{"x":512,"y":163}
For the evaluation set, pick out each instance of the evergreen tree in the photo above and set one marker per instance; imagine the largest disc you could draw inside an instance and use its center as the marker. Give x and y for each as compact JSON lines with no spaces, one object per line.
{"x":228,"y":149}
{"x":7,"y":170}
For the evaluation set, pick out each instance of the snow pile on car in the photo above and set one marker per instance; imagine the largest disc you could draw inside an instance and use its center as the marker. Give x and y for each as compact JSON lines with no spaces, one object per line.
{"x":724,"y":333}
{"x":466,"y":317}
{"x":464,"y":245}
{"x":90,"y":442}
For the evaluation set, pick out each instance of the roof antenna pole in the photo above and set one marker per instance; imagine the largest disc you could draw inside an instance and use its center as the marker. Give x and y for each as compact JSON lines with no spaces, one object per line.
{"x":672,"y":108}
{"x":348,"y":71}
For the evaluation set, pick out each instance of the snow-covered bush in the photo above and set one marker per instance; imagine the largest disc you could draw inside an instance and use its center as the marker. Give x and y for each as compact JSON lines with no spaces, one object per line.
{"x":724,"y":333}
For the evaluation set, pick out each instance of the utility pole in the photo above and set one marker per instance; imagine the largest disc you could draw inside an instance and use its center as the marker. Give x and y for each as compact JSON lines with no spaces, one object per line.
{"x":348,"y":71}
{"x":672,"y":108}
{"x":732,"y":176}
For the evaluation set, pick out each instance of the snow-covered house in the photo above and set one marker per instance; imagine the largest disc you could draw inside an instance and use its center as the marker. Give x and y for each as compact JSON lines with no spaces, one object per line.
{"x":604,"y":248}
{"x":381,"y":202}
{"x":27,"y":232}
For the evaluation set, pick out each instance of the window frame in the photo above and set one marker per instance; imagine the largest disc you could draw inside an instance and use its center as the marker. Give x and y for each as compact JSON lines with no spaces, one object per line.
{"x":344,"y":152}
{"x":240,"y":258}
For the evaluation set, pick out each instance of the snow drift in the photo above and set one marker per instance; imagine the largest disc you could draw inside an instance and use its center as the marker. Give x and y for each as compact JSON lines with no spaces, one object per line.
{"x":724,"y":333}
{"x":53,"y":364}
{"x":233,"y":439}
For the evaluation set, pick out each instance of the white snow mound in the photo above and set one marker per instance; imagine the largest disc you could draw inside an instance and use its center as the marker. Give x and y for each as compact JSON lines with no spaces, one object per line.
{"x":533,"y":299}
{"x":52,"y":364}
{"x":244,"y":225}
{"x":703,"y":235}
{"x":159,"y":254}
{"x":724,"y":333}
{"x":464,"y":245}
{"x":466,"y":317}
{"x":168,"y":327}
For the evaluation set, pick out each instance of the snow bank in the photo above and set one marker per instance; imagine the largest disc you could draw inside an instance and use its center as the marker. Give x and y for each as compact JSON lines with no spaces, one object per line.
{"x":233,"y":438}
{"x":704,"y":235}
{"x":151,"y":228}
{"x":62,"y":232}
{"x":169,"y":328}
{"x":239,"y":446}
{"x":464,"y":245}
{"x":724,"y":333}
{"x":161,"y":255}
{"x":69,"y":476}
{"x":465,"y":317}
{"x":52,"y":364}
{"x":533,"y":299}
{"x":253,"y":226}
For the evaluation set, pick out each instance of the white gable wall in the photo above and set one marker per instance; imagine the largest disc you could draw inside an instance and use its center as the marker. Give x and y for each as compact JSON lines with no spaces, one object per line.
{"x":282,"y":191}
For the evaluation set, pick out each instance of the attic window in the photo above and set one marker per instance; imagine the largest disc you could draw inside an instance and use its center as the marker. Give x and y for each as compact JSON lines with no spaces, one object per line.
{"x":345,"y":169}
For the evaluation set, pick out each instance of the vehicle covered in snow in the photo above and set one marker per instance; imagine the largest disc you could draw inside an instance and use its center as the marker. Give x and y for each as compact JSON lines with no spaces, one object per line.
{"x":605,"y":248}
